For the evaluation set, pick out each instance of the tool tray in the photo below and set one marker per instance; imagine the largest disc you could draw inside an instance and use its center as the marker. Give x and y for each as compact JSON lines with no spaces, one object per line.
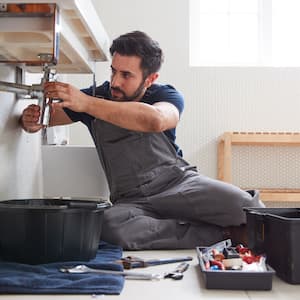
{"x":234,"y":279}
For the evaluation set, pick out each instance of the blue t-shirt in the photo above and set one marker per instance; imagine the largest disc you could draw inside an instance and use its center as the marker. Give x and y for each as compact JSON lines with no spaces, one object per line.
{"x":155,"y":93}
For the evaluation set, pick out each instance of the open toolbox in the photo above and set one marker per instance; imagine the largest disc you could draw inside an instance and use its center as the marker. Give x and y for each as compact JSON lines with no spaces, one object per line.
{"x":235,"y":277}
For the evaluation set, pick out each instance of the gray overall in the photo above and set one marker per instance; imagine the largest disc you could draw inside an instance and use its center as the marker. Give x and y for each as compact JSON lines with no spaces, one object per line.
{"x":159,"y":200}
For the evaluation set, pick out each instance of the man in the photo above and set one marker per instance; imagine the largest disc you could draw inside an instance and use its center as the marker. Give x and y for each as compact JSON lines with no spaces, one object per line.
{"x":160,"y":201}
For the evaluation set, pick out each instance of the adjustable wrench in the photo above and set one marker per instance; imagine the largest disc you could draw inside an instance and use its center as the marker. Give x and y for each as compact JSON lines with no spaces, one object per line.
{"x":177,"y":274}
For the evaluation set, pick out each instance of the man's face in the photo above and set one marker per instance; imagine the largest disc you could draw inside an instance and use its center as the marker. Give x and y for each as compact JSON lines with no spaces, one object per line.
{"x":127,"y":82}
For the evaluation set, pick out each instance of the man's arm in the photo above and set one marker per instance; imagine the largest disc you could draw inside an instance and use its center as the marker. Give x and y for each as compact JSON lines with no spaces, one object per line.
{"x":135,"y":115}
{"x":130,"y":115}
{"x":59,"y":117}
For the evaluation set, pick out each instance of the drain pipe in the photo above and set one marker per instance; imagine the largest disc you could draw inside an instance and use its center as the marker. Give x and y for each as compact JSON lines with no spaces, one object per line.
{"x":34,"y":91}
{"x":19,"y":89}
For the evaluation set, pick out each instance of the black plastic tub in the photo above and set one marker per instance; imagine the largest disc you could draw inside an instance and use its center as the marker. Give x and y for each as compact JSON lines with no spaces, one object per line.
{"x":276,"y":232}
{"x":36,"y":231}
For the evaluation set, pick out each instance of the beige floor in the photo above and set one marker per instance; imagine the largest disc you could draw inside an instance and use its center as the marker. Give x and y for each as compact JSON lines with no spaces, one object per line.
{"x":190,"y":287}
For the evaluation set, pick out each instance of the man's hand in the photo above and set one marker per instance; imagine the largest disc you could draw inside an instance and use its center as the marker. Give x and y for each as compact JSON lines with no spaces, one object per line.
{"x":70,"y":96}
{"x":30,"y":117}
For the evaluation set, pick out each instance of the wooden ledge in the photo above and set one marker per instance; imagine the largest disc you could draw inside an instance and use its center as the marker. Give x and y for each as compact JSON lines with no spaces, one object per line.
{"x":262,"y":138}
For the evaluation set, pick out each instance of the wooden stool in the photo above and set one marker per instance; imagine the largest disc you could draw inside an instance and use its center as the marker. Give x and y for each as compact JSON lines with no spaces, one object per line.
{"x":228,"y":139}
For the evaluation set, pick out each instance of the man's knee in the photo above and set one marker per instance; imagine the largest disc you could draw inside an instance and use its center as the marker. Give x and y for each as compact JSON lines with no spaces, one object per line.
{"x":120,"y":225}
{"x":112,"y":232}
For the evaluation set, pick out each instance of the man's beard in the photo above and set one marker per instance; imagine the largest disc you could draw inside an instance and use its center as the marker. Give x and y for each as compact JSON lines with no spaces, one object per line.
{"x":136,"y":95}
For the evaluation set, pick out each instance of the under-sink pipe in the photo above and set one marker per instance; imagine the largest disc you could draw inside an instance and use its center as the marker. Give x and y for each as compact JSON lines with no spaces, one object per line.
{"x":21,"y":89}
{"x":34,"y":91}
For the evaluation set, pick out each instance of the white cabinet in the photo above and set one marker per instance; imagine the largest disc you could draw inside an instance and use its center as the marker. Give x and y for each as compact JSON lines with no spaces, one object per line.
{"x":73,"y":171}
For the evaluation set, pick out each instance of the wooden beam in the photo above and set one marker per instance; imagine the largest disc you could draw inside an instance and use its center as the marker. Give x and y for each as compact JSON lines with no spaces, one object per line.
{"x":265,"y":138}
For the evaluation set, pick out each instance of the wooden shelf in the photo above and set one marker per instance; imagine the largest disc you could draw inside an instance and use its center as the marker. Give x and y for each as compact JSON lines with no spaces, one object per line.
{"x":83,"y":39}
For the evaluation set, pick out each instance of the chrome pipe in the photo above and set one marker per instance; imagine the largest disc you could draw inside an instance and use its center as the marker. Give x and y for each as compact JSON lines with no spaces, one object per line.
{"x":34,"y":91}
{"x":15,"y":88}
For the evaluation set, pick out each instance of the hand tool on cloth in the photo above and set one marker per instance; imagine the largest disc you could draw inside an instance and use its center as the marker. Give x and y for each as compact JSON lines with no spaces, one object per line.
{"x":131,"y":262}
{"x":80,"y":269}
{"x":177,"y":274}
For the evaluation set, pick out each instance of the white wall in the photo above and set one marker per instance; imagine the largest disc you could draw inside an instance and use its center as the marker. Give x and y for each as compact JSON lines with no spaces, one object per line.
{"x":217,"y":99}
{"x":20,"y":157}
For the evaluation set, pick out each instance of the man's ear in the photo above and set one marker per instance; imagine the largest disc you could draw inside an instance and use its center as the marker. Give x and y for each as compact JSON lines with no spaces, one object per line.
{"x":150,"y":79}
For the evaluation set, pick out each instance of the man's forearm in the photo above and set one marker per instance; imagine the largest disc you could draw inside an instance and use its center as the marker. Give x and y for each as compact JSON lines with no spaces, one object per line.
{"x":135,"y":116}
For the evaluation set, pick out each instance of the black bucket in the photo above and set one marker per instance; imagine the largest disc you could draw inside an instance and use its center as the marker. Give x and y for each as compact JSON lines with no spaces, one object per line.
{"x":36,"y":231}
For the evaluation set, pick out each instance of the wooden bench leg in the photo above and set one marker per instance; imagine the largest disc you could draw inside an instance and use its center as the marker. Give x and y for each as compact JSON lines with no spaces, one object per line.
{"x":224,"y":158}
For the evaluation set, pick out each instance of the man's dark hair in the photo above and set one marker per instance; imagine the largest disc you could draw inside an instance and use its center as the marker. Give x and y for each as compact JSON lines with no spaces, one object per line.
{"x":139,"y":44}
